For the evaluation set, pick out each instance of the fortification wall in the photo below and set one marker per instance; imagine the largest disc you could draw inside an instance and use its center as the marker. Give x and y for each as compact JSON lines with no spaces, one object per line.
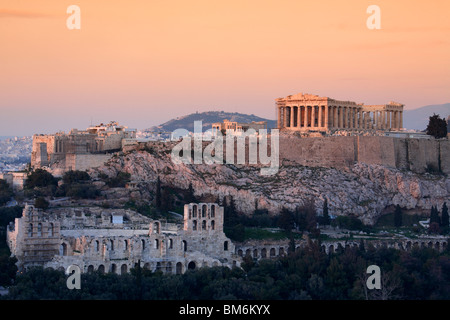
{"x":417,"y":155}
{"x":85,"y":161}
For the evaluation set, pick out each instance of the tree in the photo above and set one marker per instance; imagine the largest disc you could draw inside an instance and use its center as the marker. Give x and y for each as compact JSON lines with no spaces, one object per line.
{"x":434,"y":216}
{"x":445,"y":218}
{"x":5,"y":192}
{"x":437,"y":127}
{"x":325,"y":216}
{"x":41,"y":203}
{"x":40,"y":178}
{"x":286,"y":220}
{"x":190,"y":197}
{"x":166,"y":199}
{"x":74,"y":176}
{"x":398,"y":221}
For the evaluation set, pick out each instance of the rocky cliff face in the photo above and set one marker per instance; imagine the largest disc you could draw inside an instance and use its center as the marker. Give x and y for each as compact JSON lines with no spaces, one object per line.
{"x":364,"y":190}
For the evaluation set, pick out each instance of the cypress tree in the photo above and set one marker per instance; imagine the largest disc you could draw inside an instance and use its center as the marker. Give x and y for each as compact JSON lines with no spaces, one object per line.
{"x":445,"y":217}
{"x":398,"y":221}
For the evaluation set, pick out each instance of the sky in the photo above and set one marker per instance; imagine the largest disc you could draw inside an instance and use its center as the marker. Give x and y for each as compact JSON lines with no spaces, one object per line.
{"x":143,"y":62}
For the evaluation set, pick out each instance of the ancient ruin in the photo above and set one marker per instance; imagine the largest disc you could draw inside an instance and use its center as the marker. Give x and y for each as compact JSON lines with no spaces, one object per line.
{"x":308,"y":112}
{"x":80,"y":150}
{"x":107,"y":240}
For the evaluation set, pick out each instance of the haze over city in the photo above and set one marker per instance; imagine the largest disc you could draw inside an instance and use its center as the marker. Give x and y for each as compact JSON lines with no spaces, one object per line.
{"x":143,"y":63}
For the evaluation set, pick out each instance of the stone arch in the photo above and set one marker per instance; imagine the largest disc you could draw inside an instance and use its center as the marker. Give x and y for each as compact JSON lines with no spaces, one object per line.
{"x":143,"y":244}
{"x":156,"y":227}
{"x":194,"y":211}
{"x":248,"y":253}
{"x":213,"y":211}
{"x":63,"y":249}
{"x":170,"y":243}
{"x":213,"y":225}
{"x":123,"y":269}
{"x":204,"y":210}
{"x":281,"y":252}
{"x":204,"y":225}
{"x":204,"y":264}
{"x":255,"y":253}
{"x":39,"y":230}
{"x":184,"y":245}
{"x":263,"y":253}
{"x":158,"y":266}
{"x":272,"y":252}
{"x":101,"y":268}
{"x":191,"y":265}
{"x":114,"y":268}
{"x":30,"y":230}
{"x":194,"y":225}
{"x":111,"y":245}
{"x":437,"y":245}
{"x":179,"y":268}
{"x":146,"y":266}
{"x":169,"y":267}
{"x":408,"y":245}
{"x":90,"y":268}
{"x":215,"y":264}
{"x":225,"y":246}
{"x":240,"y":253}
{"x":430,"y":244}
{"x":156,"y":244}
{"x":51,"y":230}
{"x":125,"y":245}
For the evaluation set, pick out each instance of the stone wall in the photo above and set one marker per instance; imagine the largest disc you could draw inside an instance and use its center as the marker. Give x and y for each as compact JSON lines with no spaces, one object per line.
{"x":85,"y":161}
{"x":417,"y":155}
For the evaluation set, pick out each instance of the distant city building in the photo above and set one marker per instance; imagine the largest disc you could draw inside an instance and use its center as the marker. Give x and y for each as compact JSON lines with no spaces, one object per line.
{"x":308,"y":112}
{"x":80,"y":150}
{"x":237,"y":127}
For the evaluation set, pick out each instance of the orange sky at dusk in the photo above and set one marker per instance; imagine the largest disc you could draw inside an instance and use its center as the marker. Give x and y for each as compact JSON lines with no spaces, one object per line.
{"x":144,"y":62}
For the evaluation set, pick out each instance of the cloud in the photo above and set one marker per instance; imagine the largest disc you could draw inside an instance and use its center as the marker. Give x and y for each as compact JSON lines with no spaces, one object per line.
{"x":10,"y":13}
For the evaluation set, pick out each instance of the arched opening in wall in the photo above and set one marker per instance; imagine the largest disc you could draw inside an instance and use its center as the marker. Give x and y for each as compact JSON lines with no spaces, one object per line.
{"x":63,"y":249}
{"x":111,"y":245}
{"x":191,"y":265}
{"x":255,"y":253}
{"x":204,"y":210}
{"x":240,"y":252}
{"x":170,"y":244}
{"x":156,"y":244}
{"x":146,"y":266}
{"x":184,"y":245}
{"x":30,"y":230}
{"x":213,"y":211}
{"x":248,"y":253}
{"x":125,"y":244}
{"x":101,"y":268}
{"x":215,"y":264}
{"x":194,"y":211}
{"x":213,"y":225}
{"x":39,"y":230}
{"x":143,"y":245}
{"x":113,"y":268}
{"x":123,"y":269}
{"x":437,"y":246}
{"x":204,"y":225}
{"x":190,"y":213}
{"x":169,"y":267}
{"x":90,"y":268}
{"x":263,"y":253}
{"x":272,"y":252}
{"x":194,"y":225}
{"x":50,"y":230}
{"x":408,"y":245}
{"x":281,"y":252}
{"x":430,"y":244}
{"x":158,"y":266}
{"x":156,"y":227}
{"x":179,"y":268}
{"x":97,"y":245}
{"x":225,"y":246}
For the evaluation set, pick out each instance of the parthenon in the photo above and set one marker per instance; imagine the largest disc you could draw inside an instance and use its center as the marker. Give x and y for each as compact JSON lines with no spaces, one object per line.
{"x":308,"y":112}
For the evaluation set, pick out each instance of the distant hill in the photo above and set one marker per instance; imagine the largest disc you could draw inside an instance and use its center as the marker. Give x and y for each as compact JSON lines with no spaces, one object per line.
{"x":207,"y":118}
{"x":418,"y":118}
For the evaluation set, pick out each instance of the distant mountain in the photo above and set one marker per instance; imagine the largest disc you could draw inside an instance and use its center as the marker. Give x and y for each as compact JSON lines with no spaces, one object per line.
{"x":207,"y":118}
{"x":418,"y":118}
